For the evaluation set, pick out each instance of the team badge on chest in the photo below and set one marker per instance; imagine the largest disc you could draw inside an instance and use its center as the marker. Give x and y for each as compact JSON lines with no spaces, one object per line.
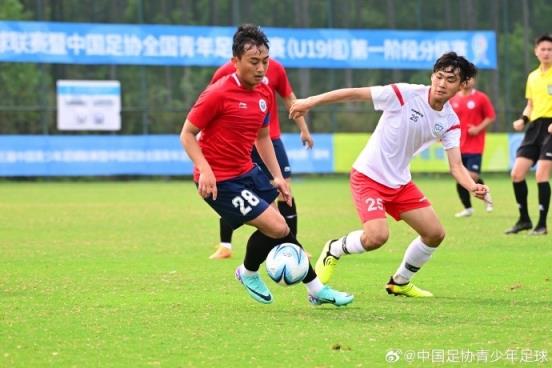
{"x":262,"y":105}
{"x":438,"y":129}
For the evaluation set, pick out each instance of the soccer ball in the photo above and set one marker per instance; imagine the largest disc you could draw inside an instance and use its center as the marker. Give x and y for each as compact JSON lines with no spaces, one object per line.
{"x":287,"y":264}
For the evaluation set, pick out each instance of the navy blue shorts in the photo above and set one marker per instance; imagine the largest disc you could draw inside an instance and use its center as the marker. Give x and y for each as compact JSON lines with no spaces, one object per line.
{"x":472,"y":162}
{"x":243,"y":198}
{"x":281,"y":156}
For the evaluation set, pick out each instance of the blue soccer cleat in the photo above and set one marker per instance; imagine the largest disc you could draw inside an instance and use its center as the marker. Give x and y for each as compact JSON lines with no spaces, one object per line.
{"x":327,"y":295}
{"x":254,"y":286}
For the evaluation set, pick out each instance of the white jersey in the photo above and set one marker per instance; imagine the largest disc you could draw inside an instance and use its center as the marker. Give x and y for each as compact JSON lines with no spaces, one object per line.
{"x":408,"y":124}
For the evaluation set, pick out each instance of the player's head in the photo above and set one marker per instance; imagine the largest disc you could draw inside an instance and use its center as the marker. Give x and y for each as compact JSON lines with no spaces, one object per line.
{"x":450,"y":73}
{"x":468,"y":85}
{"x":543,"y":49}
{"x":250,"y":54}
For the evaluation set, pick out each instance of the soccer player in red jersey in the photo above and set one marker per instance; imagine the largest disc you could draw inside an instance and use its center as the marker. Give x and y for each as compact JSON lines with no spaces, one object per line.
{"x":276,"y":78}
{"x":475,"y":112}
{"x":233,"y":116}
{"x":414,"y":116}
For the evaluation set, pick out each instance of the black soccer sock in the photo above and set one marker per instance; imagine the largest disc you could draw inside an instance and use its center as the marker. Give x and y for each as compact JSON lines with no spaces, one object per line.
{"x":258,"y":247}
{"x":226,"y":231}
{"x":464,"y":196}
{"x":520,"y":191}
{"x":289,"y":213}
{"x":544,"y":202}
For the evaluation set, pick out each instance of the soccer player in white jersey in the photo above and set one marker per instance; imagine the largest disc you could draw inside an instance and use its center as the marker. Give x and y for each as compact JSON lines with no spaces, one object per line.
{"x":413,"y":116}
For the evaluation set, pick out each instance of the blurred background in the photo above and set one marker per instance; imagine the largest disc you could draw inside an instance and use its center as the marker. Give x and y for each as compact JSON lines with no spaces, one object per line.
{"x":155,"y":99}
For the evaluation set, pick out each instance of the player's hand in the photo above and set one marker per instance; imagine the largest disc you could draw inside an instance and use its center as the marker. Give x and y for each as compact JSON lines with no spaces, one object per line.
{"x":518,"y":125}
{"x":307,"y":140}
{"x":207,"y":184}
{"x":473,"y":130}
{"x":283,"y":187}
{"x":550,"y":128}
{"x":480,"y":191}
{"x":299,"y":108}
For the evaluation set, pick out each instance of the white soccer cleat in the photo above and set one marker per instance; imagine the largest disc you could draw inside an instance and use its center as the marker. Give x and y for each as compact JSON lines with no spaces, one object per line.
{"x":466,"y":212}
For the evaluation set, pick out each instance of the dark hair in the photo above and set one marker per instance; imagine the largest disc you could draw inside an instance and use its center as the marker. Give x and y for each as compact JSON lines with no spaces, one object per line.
{"x":542,"y":38}
{"x":248,"y":34}
{"x":451,"y":61}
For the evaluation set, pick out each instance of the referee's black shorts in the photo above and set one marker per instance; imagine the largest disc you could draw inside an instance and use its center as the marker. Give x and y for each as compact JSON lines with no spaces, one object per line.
{"x":537,"y":142}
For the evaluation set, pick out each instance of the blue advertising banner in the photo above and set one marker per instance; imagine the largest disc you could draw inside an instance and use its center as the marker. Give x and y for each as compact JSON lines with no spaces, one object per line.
{"x":98,"y":43}
{"x":319,"y":159}
{"x":93,"y":155}
{"x":103,"y":155}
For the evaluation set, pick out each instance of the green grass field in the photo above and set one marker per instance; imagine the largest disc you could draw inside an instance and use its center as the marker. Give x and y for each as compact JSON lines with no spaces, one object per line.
{"x":115,"y":274}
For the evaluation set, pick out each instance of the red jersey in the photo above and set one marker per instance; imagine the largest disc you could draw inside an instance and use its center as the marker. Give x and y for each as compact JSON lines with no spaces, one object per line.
{"x":230,"y":117}
{"x":472,"y":110}
{"x":276,"y":78}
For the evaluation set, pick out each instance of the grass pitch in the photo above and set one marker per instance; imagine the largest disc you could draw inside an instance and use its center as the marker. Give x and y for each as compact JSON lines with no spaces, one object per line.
{"x":115,"y":274}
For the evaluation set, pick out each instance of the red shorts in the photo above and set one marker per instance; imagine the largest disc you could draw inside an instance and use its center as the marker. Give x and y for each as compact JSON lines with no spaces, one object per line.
{"x":373,"y":200}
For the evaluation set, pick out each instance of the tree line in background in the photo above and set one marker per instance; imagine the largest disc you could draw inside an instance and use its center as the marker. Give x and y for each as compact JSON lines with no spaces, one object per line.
{"x":156,"y":99}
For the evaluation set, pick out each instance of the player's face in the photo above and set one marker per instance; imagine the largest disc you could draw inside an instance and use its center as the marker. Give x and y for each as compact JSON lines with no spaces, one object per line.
{"x":252,"y":65}
{"x":444,"y":85}
{"x":543,"y":52}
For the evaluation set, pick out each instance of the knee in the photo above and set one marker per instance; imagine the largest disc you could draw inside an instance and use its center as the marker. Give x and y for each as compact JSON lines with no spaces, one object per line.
{"x":281,"y":230}
{"x":434,"y":238}
{"x":374,"y":240}
{"x":276,"y":230}
{"x":517,"y":176}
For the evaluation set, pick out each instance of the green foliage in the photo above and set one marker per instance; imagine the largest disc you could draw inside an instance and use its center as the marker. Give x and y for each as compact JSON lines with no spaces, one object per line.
{"x":13,"y":10}
{"x":115,"y":274}
{"x":20,"y":104}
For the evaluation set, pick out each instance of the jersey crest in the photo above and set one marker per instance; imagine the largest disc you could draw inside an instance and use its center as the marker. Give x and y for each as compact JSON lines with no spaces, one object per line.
{"x":262,"y":105}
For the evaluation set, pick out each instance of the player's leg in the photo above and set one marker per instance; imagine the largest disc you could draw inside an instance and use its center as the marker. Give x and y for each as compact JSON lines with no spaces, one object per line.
{"x":521,"y":166}
{"x":273,"y":230}
{"x":431,"y":233}
{"x":463,"y":194}
{"x":369,"y":198}
{"x":224,"y":248}
{"x":238,"y":203}
{"x":526,"y":156}
{"x":289,"y":212}
{"x":544,"y":168}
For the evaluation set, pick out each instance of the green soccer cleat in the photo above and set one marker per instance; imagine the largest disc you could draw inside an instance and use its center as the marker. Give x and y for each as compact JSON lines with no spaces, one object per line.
{"x":327,"y":295}
{"x":325,"y":265}
{"x":254,"y":286}
{"x":410,"y":290}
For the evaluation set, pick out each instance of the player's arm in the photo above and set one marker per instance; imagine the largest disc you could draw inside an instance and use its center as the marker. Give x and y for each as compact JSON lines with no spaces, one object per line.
{"x":207,"y":184}
{"x":462,"y":176}
{"x":305,"y":135}
{"x":266,"y":151}
{"x":520,"y":123}
{"x":476,"y":129}
{"x":301,"y":106}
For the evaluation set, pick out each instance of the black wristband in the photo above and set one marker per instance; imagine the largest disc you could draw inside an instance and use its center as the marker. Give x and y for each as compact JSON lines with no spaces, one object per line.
{"x":525,"y":119}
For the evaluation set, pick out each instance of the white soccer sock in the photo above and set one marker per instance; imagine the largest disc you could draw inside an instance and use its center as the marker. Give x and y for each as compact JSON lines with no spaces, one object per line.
{"x":314,"y":286}
{"x":347,"y":244}
{"x":246,"y":272}
{"x":416,"y":255}
{"x":226,"y":245}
